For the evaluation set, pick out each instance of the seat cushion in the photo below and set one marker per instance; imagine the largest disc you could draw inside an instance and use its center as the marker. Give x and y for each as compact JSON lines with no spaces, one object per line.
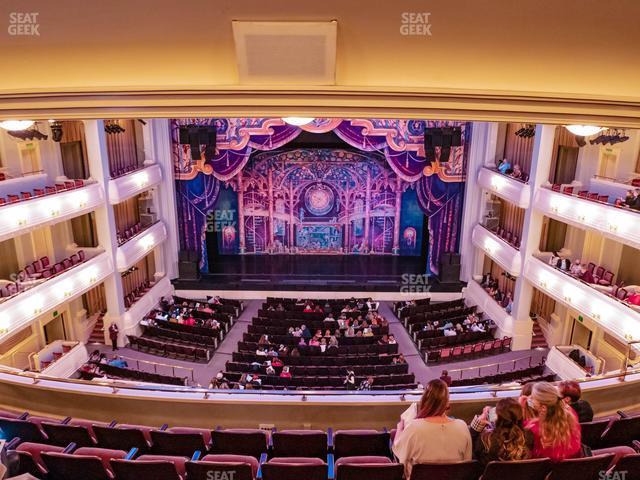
{"x":179,"y":462}
{"x":362,"y":460}
{"x":220,"y":458}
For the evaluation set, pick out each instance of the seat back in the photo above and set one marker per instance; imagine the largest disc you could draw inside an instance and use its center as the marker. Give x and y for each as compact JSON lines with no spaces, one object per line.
{"x":536,"y":469}
{"x":27,"y":431}
{"x":30,"y":458}
{"x":621,"y":432}
{"x":581,"y":468}
{"x":171,"y":443}
{"x":592,"y":431}
{"x":349,"y":443}
{"x":370,"y":471}
{"x":630,"y":464}
{"x":143,"y":470}
{"x":239,"y":442}
{"x":206,"y":470}
{"x":469,"y":470}
{"x":121,"y":438}
{"x":294,"y":469}
{"x":62,"y":434}
{"x":299,"y":443}
{"x":64,"y":466}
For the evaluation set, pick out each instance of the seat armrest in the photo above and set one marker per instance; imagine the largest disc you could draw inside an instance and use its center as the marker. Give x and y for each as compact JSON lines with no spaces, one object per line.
{"x":132,"y":453}
{"x":196,"y":456}
{"x":331,"y":465}
{"x":263,"y":460}
{"x":113,"y":424}
{"x":69,"y":448}
{"x":164,"y":427}
{"x":65,"y":421}
{"x":622,"y":414}
{"x":635,"y":444}
{"x":330,"y":439}
{"x":13,"y":443}
{"x":24,"y":416}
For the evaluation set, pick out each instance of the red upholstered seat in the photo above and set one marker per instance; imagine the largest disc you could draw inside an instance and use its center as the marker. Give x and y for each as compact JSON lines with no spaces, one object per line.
{"x":220,"y":458}
{"x":30,"y":457}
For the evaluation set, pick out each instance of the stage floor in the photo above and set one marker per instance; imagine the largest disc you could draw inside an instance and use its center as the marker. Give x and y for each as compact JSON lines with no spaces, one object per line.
{"x":375,"y":273}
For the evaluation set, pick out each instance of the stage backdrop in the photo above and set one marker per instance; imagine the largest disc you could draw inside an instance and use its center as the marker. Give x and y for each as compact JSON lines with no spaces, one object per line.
{"x":261,"y":197}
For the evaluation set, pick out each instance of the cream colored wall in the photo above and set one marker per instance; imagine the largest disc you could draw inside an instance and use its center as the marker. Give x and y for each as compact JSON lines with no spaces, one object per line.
{"x":589,"y":158}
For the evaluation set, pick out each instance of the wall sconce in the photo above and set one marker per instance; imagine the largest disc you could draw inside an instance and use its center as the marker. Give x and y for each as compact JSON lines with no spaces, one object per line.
{"x":80,"y":199}
{"x":66,"y":289}
{"x":147,"y":242}
{"x":596,"y":316}
{"x":613,"y":228}
{"x":34,"y":305}
{"x":54,"y":207}
{"x":92,"y":275}
{"x":141,"y":179}
{"x":21,"y":216}
{"x":497,"y":182}
{"x":4,"y":323}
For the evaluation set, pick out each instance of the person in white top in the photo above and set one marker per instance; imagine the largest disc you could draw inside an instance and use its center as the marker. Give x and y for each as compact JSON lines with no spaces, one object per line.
{"x":432,"y":436}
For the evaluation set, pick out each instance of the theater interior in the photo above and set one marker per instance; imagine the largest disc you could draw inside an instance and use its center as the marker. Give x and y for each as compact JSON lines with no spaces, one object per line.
{"x":242,"y":239}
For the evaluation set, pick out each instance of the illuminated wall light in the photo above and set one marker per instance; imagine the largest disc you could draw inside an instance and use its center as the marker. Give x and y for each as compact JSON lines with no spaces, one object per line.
{"x":490,"y":246}
{"x":34,"y":305}
{"x":546,"y":281}
{"x":80,"y":199}
{"x":53,"y":206}
{"x":21,"y":216}
{"x":91,"y":275}
{"x":4,"y":323}
{"x":497,"y":182}
{"x":141,"y":179}
{"x":66,"y":289}
{"x":147,"y":242}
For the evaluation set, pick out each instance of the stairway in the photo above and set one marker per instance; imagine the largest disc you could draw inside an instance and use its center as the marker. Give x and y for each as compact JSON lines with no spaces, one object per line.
{"x":97,"y":334}
{"x":538,"y":340}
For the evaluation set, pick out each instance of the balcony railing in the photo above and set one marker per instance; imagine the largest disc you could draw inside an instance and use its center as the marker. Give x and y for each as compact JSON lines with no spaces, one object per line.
{"x":122,"y":188}
{"x":504,"y":186}
{"x":22,"y":309}
{"x":617,"y":223}
{"x":608,"y":312}
{"x":498,"y":249}
{"x":18,"y":218}
{"x":491,"y":308}
{"x":134,"y":249}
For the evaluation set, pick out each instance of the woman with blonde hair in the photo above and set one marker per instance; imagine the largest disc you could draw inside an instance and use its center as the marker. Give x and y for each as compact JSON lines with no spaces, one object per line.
{"x":432,"y":436}
{"x":556,"y":430}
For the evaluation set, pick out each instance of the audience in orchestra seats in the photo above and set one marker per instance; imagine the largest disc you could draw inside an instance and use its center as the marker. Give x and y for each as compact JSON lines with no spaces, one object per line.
{"x":499,"y":434}
{"x":426,"y":434}
{"x":366,"y":384}
{"x":571,"y":393}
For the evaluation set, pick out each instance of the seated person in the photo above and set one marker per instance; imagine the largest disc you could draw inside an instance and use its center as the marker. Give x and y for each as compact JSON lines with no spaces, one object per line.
{"x":517,"y":171}
{"x":576,"y":268}
{"x":571,"y":393}
{"x":504,"y":166}
{"x":118,"y":362}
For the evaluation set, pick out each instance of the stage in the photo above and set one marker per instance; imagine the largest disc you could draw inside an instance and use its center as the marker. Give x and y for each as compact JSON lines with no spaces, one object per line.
{"x":367,"y":273}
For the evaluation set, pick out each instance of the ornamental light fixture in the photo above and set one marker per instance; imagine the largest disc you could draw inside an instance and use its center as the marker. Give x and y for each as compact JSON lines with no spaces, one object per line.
{"x":584,"y":130}
{"x":298,"y":121}
{"x":16,"y":125}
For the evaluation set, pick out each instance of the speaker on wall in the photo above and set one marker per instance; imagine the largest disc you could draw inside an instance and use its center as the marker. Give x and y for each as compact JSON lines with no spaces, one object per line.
{"x":443,"y":137}
{"x":188,"y":265}
{"x":449,"y":273}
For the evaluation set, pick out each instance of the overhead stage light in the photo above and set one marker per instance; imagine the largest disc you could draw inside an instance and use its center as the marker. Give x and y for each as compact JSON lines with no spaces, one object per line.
{"x":16,"y":125}
{"x":584,"y":130}
{"x":298,"y":121}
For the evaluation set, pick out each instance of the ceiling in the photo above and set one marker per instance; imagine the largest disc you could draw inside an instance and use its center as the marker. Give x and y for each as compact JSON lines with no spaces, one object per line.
{"x":543,"y":60}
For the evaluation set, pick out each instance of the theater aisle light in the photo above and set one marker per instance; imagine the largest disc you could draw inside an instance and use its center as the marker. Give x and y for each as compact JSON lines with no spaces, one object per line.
{"x":16,"y":125}
{"x":584,"y":130}
{"x":298,"y":121}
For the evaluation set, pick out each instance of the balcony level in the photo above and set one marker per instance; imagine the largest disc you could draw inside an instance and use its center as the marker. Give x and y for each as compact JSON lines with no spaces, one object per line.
{"x":134,"y":249}
{"x":27,"y":306}
{"x":503,"y":253}
{"x":617,"y":223}
{"x":23,"y":216}
{"x":126,"y":186}
{"x":612,"y":315}
{"x":504,"y":186}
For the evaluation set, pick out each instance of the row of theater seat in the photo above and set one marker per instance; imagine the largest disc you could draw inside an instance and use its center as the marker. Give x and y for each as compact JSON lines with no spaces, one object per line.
{"x":48,"y":448}
{"x":509,"y":237}
{"x":428,"y":307}
{"x":124,"y":170}
{"x":418,"y":320}
{"x":42,"y":192}
{"x":39,"y":270}
{"x":129,"y":233}
{"x":431,"y":343}
{"x":269,"y":326}
{"x":137,"y":293}
{"x":460,"y":352}
{"x":114,"y":372}
{"x":522,"y":375}
{"x":323,"y":360}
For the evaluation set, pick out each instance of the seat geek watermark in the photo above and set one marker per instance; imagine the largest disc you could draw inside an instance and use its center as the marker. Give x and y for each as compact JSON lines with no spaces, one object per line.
{"x":415,"y":283}
{"x":24,"y":24}
{"x":415,"y":24}
{"x":218,"y":220}
{"x":221,"y":475}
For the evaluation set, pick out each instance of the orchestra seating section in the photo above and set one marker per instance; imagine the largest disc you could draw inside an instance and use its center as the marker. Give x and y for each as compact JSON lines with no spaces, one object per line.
{"x":594,"y":196}
{"x":319,"y":367}
{"x":426,"y":322}
{"x":42,"y":192}
{"x":37,"y":272}
{"x":78,"y":449}
{"x":187,"y":329}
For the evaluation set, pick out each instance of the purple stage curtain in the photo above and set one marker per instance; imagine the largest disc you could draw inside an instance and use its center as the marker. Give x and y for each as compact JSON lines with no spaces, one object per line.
{"x":195,"y":200}
{"x":442,"y":203}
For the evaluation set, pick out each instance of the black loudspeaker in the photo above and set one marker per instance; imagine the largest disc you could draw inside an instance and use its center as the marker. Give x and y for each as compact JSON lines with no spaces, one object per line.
{"x":449,"y":273}
{"x":455,"y":259}
{"x":188,"y":265}
{"x":445,"y":258}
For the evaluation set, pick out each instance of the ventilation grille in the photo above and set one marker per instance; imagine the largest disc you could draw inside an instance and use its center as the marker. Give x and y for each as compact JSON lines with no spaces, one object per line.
{"x":286,"y":53}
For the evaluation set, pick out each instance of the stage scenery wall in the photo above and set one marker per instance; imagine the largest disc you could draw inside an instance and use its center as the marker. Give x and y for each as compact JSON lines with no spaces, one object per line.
{"x":261,"y":194}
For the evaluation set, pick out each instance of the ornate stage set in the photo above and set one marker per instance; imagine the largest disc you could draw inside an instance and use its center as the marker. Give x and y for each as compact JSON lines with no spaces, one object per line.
{"x":261,"y":194}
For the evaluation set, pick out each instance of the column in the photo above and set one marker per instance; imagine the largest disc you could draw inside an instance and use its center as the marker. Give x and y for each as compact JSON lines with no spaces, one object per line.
{"x":531,"y":234}
{"x":98,"y":160}
{"x":367,"y":212}
{"x":291,"y":219}
{"x":396,"y":224}
{"x":483,"y":144}
{"x":347,"y":220}
{"x":243,"y":248}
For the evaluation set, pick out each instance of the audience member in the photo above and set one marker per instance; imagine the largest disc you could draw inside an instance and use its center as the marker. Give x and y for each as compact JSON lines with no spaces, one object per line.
{"x":444,"y":376}
{"x":432,"y":436}
{"x":571,"y":393}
